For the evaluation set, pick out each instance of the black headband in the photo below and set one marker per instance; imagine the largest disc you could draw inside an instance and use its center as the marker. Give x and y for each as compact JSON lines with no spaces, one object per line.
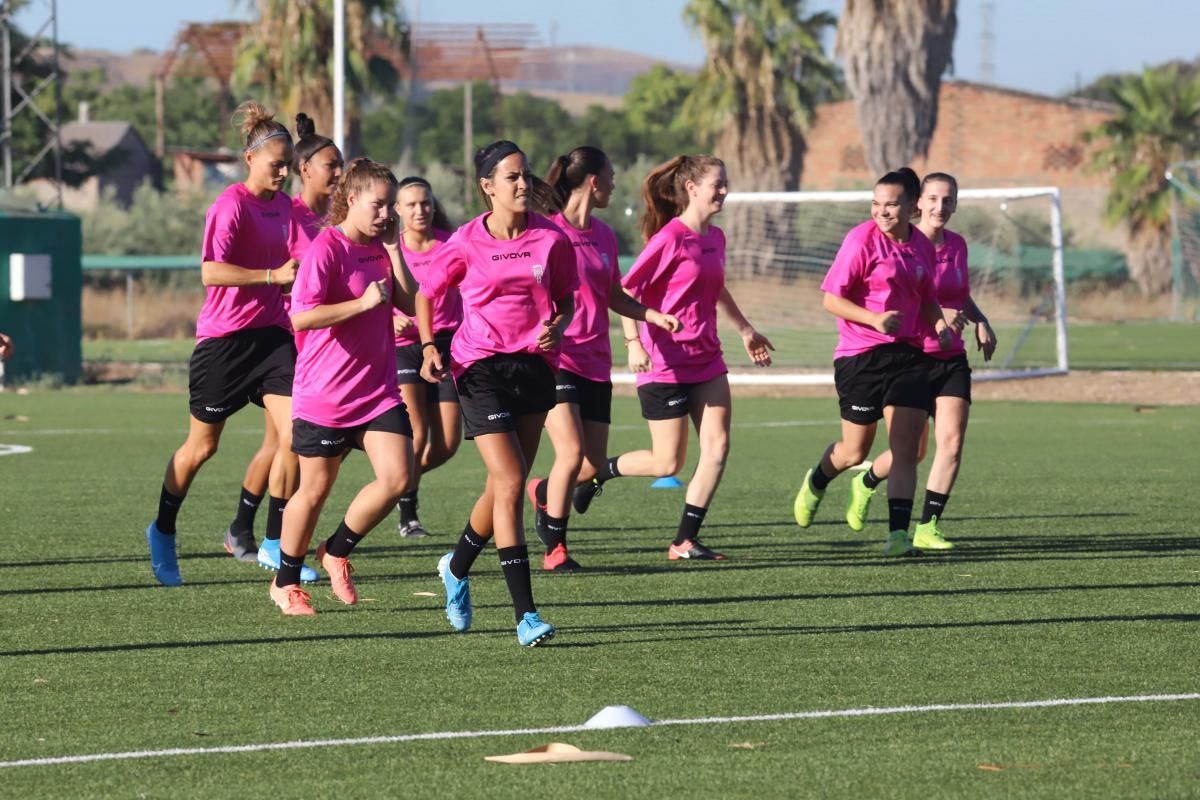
{"x":503,"y":150}
{"x":412,"y":180}
{"x":322,"y":143}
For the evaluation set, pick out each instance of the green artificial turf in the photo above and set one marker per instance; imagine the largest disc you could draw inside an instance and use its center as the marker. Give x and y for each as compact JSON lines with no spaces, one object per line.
{"x":1076,"y":576}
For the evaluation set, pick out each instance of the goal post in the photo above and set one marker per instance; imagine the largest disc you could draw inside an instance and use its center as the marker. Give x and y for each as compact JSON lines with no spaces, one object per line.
{"x":779,"y":246}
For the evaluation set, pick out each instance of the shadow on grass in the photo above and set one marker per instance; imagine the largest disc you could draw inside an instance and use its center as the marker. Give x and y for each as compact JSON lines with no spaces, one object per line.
{"x":743,"y":632}
{"x":263,"y":640}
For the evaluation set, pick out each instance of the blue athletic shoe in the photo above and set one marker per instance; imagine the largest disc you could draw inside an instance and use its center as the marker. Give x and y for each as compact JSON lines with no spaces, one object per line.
{"x":531,"y":631}
{"x":268,"y":558}
{"x":458,"y":596}
{"x":162,"y":556}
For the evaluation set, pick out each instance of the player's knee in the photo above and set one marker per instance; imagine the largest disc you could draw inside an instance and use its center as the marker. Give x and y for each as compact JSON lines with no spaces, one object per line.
{"x":667,"y":464}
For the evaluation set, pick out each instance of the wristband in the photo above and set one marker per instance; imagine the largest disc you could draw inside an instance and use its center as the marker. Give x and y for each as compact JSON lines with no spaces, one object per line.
{"x":428,"y":344}
{"x":634,"y":339}
{"x":268,"y":277}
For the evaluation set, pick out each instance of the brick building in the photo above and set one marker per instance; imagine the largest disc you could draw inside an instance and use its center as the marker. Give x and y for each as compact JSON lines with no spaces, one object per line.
{"x":986,"y":136}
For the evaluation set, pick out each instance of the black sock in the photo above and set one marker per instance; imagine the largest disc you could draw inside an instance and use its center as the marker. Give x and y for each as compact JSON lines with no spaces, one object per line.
{"x":343,"y":541}
{"x":690,"y":522}
{"x":408,"y":507}
{"x":555,"y":531}
{"x":819,"y":479}
{"x":871,"y":480}
{"x":469,"y":546}
{"x":289,"y":569}
{"x":514,"y":561}
{"x":243,"y":521}
{"x":899,"y":514}
{"x":275,"y":508}
{"x":935,"y":505}
{"x":608,"y":471}
{"x":539,"y":491}
{"x":168,"y":508}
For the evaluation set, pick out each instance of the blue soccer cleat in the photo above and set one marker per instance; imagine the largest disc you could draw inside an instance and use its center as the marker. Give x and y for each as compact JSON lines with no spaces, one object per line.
{"x":458,"y":596}
{"x":532,"y":631}
{"x":162,"y":556}
{"x":268,"y":558}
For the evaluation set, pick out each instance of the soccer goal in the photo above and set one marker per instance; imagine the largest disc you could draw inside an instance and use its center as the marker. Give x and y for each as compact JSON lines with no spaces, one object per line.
{"x":779,"y":246}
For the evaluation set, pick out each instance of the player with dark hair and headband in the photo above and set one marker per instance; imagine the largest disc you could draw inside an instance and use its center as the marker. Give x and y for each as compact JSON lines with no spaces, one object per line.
{"x":516,"y":273}
{"x":880,"y":287}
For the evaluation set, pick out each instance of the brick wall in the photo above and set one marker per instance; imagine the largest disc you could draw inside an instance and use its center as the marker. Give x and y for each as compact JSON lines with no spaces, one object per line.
{"x":986,"y":136}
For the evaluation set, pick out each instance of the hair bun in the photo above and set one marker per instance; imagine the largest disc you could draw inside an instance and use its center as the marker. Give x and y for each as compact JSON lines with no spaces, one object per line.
{"x":304,"y":125}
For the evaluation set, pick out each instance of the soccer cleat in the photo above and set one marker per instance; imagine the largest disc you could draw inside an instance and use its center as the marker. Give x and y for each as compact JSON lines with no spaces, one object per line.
{"x":268,"y":558}
{"x":928,"y":537}
{"x":897,"y":544}
{"x":458,"y":596}
{"x":693,"y":549}
{"x":558,"y":560}
{"x":292,"y":600}
{"x":162,"y":556}
{"x":860,"y":501}
{"x":808,"y":500}
{"x":582,"y":497}
{"x":413,"y":529}
{"x":339,"y":570}
{"x":532,"y":631}
{"x":241,"y":546}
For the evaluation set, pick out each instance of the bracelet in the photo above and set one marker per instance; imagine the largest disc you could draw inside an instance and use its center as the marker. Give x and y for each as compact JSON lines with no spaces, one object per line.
{"x":268,"y":277}
{"x":428,"y":344}
{"x":634,"y":339}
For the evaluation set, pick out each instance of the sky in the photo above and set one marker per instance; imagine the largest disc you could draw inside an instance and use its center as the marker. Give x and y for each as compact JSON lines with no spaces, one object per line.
{"x":1044,"y":46}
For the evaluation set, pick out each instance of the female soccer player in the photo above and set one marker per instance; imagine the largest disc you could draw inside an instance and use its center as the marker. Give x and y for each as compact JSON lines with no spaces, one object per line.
{"x":578,"y":423}
{"x":345,"y":392}
{"x":880,"y":288}
{"x":244,"y":351}
{"x":432,"y":408}
{"x":682,"y":375}
{"x":516,"y":273}
{"x":949,"y":373}
{"x":318,"y":163}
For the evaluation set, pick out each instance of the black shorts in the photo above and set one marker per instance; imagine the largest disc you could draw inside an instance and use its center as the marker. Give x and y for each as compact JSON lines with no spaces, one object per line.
{"x":409,"y":359}
{"x":495,"y":391}
{"x":666,"y":400}
{"x":594,"y":398}
{"x":321,"y":441}
{"x":226,"y":373}
{"x":949,"y":377}
{"x":889,"y":375}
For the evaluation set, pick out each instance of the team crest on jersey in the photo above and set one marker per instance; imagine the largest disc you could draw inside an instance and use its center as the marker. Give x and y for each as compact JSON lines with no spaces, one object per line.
{"x":538,"y":271}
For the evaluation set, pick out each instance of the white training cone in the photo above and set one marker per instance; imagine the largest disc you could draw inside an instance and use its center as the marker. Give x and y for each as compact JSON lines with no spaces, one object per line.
{"x":617,"y":717}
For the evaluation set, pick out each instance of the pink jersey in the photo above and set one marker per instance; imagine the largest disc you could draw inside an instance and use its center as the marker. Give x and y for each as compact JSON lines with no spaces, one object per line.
{"x":952,"y":283}
{"x":447,"y":309}
{"x":242,"y":230}
{"x":508,"y":287}
{"x":587,"y":350}
{"x":306,"y":224}
{"x":681,"y":272}
{"x":881,"y":274}
{"x":345,"y":374}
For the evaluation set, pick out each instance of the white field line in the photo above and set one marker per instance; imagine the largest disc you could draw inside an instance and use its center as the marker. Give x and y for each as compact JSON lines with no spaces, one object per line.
{"x":14,"y":449}
{"x":441,"y":735}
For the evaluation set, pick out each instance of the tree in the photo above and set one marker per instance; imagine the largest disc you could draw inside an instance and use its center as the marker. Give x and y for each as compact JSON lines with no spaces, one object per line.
{"x":1157,"y":124}
{"x":895,"y":53}
{"x":758,"y":90}
{"x":286,"y":58}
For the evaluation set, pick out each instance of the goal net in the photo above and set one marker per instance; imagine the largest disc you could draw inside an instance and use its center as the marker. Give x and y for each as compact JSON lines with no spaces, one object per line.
{"x":780,"y":245}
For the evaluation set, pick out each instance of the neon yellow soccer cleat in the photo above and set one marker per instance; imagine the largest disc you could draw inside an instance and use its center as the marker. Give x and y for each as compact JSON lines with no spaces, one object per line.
{"x":928,"y":537}
{"x":808,"y":500}
{"x":860,"y":501}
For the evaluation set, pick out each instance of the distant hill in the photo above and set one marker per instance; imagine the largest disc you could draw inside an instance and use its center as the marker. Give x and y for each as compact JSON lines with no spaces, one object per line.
{"x":576,"y":76}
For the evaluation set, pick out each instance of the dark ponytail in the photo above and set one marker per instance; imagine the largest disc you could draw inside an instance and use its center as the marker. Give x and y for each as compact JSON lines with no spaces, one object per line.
{"x":569,"y":172}
{"x":907,"y":180}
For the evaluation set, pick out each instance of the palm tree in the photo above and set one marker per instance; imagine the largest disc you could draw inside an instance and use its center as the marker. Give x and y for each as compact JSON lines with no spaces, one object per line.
{"x":1156,"y":125}
{"x":895,"y":53}
{"x":286,"y":58}
{"x":765,"y":71}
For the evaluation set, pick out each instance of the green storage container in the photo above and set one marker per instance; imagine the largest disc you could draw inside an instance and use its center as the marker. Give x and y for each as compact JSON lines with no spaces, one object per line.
{"x":46,"y":331}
